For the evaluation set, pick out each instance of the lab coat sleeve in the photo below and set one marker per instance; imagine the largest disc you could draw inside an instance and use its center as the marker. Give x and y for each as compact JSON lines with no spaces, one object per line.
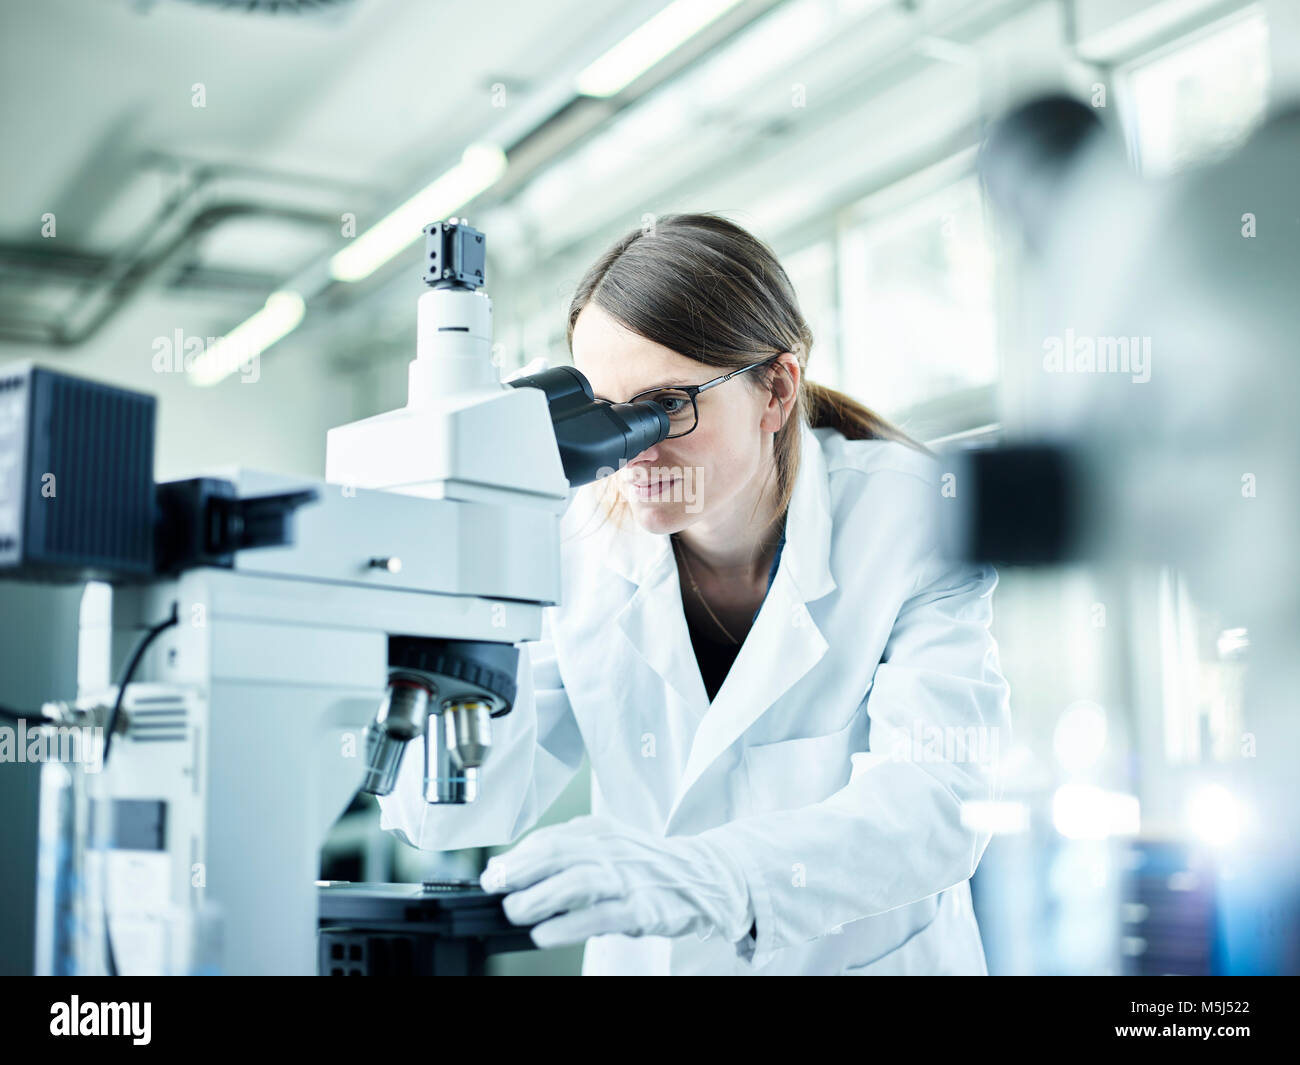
{"x":536,"y":750}
{"x":895,"y":833}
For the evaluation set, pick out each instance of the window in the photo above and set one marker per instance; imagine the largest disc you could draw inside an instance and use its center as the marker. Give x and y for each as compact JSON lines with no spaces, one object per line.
{"x":812,"y":272}
{"x":1203,"y":664}
{"x":1200,"y":97}
{"x":917,"y":300}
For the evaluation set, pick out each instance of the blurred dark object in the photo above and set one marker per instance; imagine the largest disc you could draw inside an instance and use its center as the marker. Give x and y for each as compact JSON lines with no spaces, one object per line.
{"x":1019,"y":505}
{"x":1027,"y":156}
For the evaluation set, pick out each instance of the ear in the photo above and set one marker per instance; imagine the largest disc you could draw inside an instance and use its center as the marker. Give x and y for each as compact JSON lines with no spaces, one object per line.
{"x":783,"y":378}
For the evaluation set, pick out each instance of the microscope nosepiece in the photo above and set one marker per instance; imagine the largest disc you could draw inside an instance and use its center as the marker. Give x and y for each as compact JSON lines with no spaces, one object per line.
{"x":401,"y":717}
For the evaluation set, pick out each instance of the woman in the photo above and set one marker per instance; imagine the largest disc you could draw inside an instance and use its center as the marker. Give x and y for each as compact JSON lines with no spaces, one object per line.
{"x":790,"y":700}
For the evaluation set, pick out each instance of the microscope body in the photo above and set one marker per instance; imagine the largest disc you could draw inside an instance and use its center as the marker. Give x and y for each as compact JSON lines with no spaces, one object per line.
{"x":247,"y":728}
{"x":318,"y":627}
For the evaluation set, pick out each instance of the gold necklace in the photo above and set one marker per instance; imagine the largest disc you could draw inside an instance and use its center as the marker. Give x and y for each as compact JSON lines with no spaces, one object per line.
{"x":700,"y":595}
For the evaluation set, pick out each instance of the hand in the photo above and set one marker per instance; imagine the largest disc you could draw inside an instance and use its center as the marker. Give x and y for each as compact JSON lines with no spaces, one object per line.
{"x":593,"y":876}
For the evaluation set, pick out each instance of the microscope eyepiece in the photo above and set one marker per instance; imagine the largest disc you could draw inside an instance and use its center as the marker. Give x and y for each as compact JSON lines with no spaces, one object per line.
{"x":595,"y":437}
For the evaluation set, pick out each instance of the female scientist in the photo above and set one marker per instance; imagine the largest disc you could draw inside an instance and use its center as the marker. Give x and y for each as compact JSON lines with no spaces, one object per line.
{"x":791,"y":701}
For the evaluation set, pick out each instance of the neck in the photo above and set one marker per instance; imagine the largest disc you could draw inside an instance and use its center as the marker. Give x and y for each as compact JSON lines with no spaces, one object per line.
{"x":736,"y":547}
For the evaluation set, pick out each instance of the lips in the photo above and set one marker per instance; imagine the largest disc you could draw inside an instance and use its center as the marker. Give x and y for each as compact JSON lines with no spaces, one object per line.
{"x":648,"y":489}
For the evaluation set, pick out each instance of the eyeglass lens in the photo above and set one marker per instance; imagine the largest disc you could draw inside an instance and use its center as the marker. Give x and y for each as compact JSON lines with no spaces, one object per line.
{"x":678,"y":405}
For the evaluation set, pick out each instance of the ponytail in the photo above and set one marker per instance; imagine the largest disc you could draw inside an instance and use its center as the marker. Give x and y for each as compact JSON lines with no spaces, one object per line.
{"x":827,"y":408}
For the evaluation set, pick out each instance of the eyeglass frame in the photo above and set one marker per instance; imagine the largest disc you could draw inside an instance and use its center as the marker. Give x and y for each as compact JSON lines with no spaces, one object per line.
{"x":694,"y":390}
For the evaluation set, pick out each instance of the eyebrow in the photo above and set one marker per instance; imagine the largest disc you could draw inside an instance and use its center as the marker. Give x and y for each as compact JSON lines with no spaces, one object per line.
{"x":666,"y":384}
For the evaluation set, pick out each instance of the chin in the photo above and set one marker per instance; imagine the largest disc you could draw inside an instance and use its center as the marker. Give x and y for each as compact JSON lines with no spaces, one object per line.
{"x":660,"y":518}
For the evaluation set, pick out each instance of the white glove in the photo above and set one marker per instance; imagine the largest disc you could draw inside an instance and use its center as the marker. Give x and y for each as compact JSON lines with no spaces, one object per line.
{"x":602,"y":877}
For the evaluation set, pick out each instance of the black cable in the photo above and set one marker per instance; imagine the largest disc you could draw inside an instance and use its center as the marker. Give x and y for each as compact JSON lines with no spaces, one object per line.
{"x":129,"y":672}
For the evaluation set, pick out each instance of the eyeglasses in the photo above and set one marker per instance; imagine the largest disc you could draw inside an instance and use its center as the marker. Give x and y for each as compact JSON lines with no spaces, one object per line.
{"x":679,"y":401}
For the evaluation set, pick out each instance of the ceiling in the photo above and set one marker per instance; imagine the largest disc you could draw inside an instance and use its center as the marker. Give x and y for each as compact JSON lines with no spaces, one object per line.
{"x":211,"y":150}
{"x":169,"y":163}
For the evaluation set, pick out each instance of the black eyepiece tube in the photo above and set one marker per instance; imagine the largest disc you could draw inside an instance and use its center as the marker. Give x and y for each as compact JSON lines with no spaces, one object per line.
{"x":594,"y":437}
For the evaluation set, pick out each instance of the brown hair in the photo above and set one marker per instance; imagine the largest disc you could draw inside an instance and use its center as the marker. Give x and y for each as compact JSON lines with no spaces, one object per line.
{"x":704,"y":287}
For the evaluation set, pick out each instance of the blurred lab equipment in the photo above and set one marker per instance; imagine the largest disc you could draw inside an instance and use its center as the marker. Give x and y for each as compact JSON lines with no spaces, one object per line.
{"x":1157,"y":429}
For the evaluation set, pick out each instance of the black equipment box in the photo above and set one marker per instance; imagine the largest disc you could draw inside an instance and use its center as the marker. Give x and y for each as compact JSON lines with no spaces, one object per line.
{"x":76,"y":477}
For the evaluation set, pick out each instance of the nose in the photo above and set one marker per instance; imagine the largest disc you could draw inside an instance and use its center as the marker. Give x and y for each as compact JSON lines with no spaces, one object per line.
{"x":638,"y":469}
{"x":647,"y":457}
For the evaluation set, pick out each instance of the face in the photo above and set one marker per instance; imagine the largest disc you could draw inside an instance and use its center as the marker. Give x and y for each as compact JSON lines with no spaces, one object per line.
{"x":708,"y":478}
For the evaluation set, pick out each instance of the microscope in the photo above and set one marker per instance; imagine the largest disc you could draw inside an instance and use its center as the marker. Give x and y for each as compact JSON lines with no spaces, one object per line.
{"x":276,"y":643}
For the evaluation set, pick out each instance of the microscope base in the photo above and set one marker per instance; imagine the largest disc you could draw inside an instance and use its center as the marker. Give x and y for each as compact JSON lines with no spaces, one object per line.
{"x":433,"y":929}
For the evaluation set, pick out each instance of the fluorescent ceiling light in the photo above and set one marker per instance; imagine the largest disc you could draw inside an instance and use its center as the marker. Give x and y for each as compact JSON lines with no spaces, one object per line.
{"x":479,"y":167}
{"x":645,"y":46}
{"x":236,"y":350}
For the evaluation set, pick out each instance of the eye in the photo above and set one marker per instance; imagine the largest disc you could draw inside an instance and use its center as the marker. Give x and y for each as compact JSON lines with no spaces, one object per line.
{"x":675,"y":404}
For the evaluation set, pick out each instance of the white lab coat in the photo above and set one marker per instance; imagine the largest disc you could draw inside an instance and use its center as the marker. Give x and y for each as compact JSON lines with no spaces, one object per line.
{"x":831,"y":763}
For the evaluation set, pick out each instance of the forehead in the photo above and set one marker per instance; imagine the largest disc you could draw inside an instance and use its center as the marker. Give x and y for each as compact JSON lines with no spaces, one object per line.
{"x":620,"y":363}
